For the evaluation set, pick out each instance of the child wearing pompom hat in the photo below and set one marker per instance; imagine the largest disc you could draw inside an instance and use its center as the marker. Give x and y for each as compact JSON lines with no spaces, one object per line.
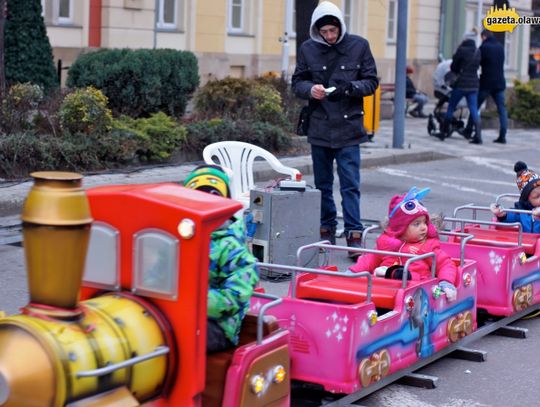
{"x":528,"y":183}
{"x":409,"y":230}
{"x":233,"y":269}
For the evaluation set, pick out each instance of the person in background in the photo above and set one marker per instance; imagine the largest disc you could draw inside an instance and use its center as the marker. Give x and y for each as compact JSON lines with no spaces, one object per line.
{"x":233,"y":269}
{"x":492,"y":82}
{"x":409,"y":230}
{"x":528,"y":183}
{"x":465,"y":63}
{"x":533,"y":67}
{"x":419,"y":98}
{"x":333,"y":58}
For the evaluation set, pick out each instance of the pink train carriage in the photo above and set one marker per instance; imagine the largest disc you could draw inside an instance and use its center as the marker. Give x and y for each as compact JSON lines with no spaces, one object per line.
{"x":508,"y":262}
{"x":350,"y":330}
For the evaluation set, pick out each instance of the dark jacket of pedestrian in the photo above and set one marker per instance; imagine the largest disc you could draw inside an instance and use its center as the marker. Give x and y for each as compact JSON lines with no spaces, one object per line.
{"x":465,"y":63}
{"x":492,"y":76}
{"x":339,"y":123}
{"x":410,"y":89}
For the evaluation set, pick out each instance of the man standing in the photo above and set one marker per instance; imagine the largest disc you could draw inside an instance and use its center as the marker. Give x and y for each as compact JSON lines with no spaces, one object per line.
{"x":492,"y":82}
{"x":332,"y":58}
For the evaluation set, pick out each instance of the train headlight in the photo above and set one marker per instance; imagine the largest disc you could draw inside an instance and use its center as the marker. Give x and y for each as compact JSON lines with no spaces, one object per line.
{"x":409,"y":303}
{"x":186,"y":228}
{"x":278,"y":374}
{"x":467,"y":279}
{"x":258,"y":383}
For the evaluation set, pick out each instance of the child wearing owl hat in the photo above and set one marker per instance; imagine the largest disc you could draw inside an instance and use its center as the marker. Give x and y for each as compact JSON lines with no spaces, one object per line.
{"x":409,"y":230}
{"x":233,"y":269}
{"x":528,"y":183}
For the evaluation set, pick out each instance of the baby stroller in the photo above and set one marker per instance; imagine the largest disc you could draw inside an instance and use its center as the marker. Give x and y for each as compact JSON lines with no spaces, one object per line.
{"x":442,"y":93}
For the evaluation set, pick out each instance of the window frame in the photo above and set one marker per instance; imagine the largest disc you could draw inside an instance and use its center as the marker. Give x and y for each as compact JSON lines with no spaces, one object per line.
{"x":63,"y":20}
{"x":392,"y":22}
{"x":348,"y":16}
{"x":161,"y":24}
{"x":241,"y":6}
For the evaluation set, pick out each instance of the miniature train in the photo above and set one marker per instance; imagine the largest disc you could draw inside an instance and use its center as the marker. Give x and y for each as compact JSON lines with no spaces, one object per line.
{"x":117,"y":313}
{"x":137,"y":335}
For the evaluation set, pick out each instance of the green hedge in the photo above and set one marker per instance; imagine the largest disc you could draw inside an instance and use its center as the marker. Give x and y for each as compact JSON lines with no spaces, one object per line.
{"x":139,"y":82}
{"x":524,"y":102}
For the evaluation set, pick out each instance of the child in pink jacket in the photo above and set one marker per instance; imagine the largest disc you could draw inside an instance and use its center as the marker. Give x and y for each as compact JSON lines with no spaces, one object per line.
{"x":410,"y":231}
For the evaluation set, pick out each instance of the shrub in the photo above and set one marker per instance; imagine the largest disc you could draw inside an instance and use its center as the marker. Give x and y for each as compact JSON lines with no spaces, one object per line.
{"x":265,"y":135}
{"x":139,"y":82}
{"x":524,"y":102}
{"x":239,"y":99}
{"x":85,"y":111}
{"x":19,"y":106}
{"x":157,"y":136}
{"x":290,"y":104}
{"x":27,"y":51}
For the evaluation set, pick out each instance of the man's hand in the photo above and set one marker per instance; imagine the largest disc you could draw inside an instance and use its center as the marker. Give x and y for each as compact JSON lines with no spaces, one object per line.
{"x":536,"y":213}
{"x":342,"y":90}
{"x":318,"y":92}
{"x":497,"y":210}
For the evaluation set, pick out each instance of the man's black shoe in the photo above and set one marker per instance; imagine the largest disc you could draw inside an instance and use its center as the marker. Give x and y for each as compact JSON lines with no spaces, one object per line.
{"x":328,"y":234}
{"x":467,"y":133}
{"x":476,"y":140}
{"x":354,"y":240}
{"x":422,"y":115}
{"x":500,"y":140}
{"x":414,"y":113}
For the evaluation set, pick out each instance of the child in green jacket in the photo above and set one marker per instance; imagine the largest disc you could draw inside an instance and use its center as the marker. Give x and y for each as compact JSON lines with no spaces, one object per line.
{"x":233,"y":270}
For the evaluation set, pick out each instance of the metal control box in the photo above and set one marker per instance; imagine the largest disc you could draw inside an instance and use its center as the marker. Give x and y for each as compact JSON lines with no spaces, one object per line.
{"x":286,"y":220}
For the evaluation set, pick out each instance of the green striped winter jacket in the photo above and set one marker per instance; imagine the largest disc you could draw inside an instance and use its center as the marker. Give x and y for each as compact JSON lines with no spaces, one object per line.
{"x":233,"y":276}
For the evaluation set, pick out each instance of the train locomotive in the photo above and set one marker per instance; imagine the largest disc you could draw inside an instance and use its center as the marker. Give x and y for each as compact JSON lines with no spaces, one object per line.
{"x":117,"y":278}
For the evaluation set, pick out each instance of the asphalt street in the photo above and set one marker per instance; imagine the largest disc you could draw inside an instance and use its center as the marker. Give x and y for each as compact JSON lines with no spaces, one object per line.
{"x":457,"y":173}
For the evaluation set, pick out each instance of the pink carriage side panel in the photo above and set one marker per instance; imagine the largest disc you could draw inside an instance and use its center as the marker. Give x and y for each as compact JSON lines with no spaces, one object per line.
{"x":508,"y":279}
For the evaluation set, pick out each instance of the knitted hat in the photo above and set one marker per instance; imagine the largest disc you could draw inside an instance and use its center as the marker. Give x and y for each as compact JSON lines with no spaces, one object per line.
{"x":327,"y":20}
{"x":409,"y":70}
{"x":526,"y":180}
{"x":469,"y":35}
{"x":403,"y":209}
{"x":209,"y":178}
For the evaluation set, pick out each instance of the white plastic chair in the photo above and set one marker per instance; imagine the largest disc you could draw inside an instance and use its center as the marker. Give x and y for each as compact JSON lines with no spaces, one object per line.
{"x":237,"y":159}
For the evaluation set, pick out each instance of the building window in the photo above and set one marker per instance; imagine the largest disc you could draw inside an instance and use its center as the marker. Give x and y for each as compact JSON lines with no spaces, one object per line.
{"x":63,"y":11}
{"x":236,"y":15}
{"x":347,"y":14}
{"x":391,"y":26}
{"x":167,"y":14}
{"x":291,"y":30}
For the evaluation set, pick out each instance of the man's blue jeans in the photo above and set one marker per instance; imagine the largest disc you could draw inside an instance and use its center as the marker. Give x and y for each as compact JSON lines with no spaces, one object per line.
{"x":498,"y":98}
{"x":348,"y":169}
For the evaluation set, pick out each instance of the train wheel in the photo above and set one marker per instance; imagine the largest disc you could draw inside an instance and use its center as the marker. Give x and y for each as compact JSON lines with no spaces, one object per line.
{"x":523,"y":297}
{"x":374,"y":368}
{"x":459,"y":326}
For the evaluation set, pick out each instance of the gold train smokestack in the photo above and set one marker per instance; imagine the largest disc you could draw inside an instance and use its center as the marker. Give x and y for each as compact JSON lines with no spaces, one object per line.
{"x":56,"y":229}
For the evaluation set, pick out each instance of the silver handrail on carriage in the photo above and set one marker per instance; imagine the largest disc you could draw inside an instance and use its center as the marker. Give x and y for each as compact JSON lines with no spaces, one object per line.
{"x":465,"y":238}
{"x":260,"y":318}
{"x":475,"y":208}
{"x":296,"y":269}
{"x":489,"y":223}
{"x":507,"y":195}
{"x":410,"y":259}
{"x":159,"y":351}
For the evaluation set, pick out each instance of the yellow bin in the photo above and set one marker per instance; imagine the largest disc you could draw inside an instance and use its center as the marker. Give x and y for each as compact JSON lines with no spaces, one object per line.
{"x":372,"y":112}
